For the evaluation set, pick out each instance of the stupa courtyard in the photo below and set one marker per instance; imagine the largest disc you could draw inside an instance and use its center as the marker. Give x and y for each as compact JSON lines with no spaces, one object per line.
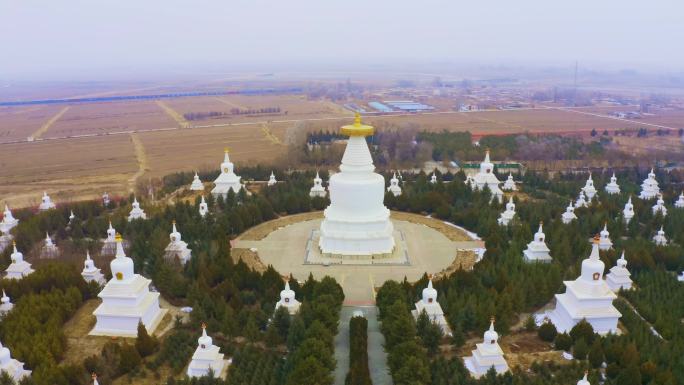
{"x":431,"y":246}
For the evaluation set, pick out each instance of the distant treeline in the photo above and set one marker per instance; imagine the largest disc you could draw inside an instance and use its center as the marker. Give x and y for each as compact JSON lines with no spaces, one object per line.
{"x":233,"y":111}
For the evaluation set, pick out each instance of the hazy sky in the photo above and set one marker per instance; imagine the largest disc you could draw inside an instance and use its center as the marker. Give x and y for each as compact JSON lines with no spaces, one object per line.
{"x":62,"y":38}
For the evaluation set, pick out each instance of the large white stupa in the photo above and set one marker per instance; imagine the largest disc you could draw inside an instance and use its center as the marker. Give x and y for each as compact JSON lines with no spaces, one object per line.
{"x":619,"y":277}
{"x":14,"y":368}
{"x":604,"y":242}
{"x":207,"y":357}
{"x":357,"y":223}
{"x":660,"y":239}
{"x":271,"y":180}
{"x":429,"y":304}
{"x":649,"y":188}
{"x":680,"y":201}
{"x":613,"y":187}
{"x":509,"y":184}
{"x":394,"y":186}
{"x":126,"y":301}
{"x":537,"y":251}
{"x":589,"y":189}
{"x":227,"y":180}
{"x":136,"y":211}
{"x":507,"y":216}
{"x":486,"y":355}
{"x":288,"y":300}
{"x":581,"y":200}
{"x":196,"y":184}
{"x":659,"y":207}
{"x":628,"y":211}
{"x":46,"y":203}
{"x":90,"y":272}
{"x":569,"y":214}
{"x":317,"y":190}
{"x":487,"y":178}
{"x":177,"y":248}
{"x":588,"y":297}
{"x":19,"y":268}
{"x":203,"y":208}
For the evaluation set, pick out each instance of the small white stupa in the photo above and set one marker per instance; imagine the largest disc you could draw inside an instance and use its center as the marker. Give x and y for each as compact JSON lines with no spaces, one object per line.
{"x":46,"y":203}
{"x":207,"y":357}
{"x":91,"y":272}
{"x":660,"y":239}
{"x":317,"y":190}
{"x":469,"y":181}
{"x":196,"y":184}
{"x":659,"y":207}
{"x":680,"y":202}
{"x":589,"y":189}
{"x":5,"y":304}
{"x":71,"y":217}
{"x":649,"y":188}
{"x":628,"y":212}
{"x":109,"y":243}
{"x":394,"y":186}
{"x":288,"y":300}
{"x":177,"y":248}
{"x":486,"y":355}
{"x":433,"y":178}
{"x":14,"y":368}
{"x":227,"y":180}
{"x":613,"y":187}
{"x":49,"y":249}
{"x":588,"y":297}
{"x":136,"y":211}
{"x":581,"y":201}
{"x":605,"y":243}
{"x":8,"y":221}
{"x":126,"y":301}
{"x":271,"y":180}
{"x":509,"y":184}
{"x":105,"y":199}
{"x":487,"y":178}
{"x":19,"y":268}
{"x":203,"y":207}
{"x":618,"y":277}
{"x":569,"y":214}
{"x":537,"y":251}
{"x":432,"y":308}
{"x":507,"y":216}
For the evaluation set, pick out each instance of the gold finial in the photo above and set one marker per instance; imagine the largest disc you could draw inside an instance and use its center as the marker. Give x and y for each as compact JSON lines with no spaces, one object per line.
{"x":357,"y":128}
{"x":492,"y":319}
{"x":225,"y":150}
{"x":173,"y":222}
{"x":204,"y":325}
{"x":597,"y":239}
{"x":118,"y":237}
{"x":357,"y":119}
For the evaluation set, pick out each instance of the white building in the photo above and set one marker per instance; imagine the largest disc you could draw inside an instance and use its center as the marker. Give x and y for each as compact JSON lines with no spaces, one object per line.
{"x":604,"y":242}
{"x":649,"y":188}
{"x":660,"y":239}
{"x":126,"y":301}
{"x":177,"y":248}
{"x":14,"y":368}
{"x":394,"y":186}
{"x":581,"y":201}
{"x":486,"y":355}
{"x":5,"y":304}
{"x":46,"y":203}
{"x":357,"y":223}
{"x":507,"y":216}
{"x":433,"y":178}
{"x":619,"y":277}
{"x":487,"y":178}
{"x":19,"y":268}
{"x":429,"y":304}
{"x":680,"y":202}
{"x":49,"y":249}
{"x":109,"y":243}
{"x":613,"y":187}
{"x":469,"y":181}
{"x":628,"y":211}
{"x":271,"y":180}
{"x":203,"y":208}
{"x":569,"y":214}
{"x":227,"y":180}
{"x":509,"y":184}
{"x":288,"y":300}
{"x":207,"y":357}
{"x":196,"y":184}
{"x":136,"y":211}
{"x":91,"y":272}
{"x":8,"y":221}
{"x":537,"y":251}
{"x":317,"y":190}
{"x":589,"y":189}
{"x":105,"y":199}
{"x":588,"y":297}
{"x":659,"y":207}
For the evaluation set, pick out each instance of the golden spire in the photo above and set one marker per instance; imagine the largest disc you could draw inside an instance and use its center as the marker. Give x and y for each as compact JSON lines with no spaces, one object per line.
{"x":492,"y":319}
{"x":118,"y":237}
{"x":226,"y":150}
{"x":204,"y":325}
{"x":597,"y":239}
{"x":357,"y":128}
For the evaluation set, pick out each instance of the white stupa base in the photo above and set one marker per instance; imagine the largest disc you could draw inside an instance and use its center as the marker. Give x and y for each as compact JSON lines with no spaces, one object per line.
{"x":292,"y":307}
{"x":536,"y":256}
{"x":122,"y":321}
{"x":398,"y":256}
{"x":603,"y":320}
{"x":435,"y":317}
{"x":180,"y":253}
{"x":616,"y":283}
{"x":219,"y":367}
{"x":478,"y":370}
{"x":360,"y":238}
{"x":95,"y":276}
{"x":50,"y":252}
{"x":15,"y":369}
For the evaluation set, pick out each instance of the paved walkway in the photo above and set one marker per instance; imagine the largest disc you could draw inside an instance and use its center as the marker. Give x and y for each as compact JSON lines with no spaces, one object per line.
{"x":377,"y":358}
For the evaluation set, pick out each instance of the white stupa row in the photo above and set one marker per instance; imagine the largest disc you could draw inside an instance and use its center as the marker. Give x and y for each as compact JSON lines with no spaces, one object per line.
{"x":18,"y":268}
{"x":317,"y":190}
{"x":487,"y":355}
{"x":207,"y":357}
{"x":227,"y":180}
{"x":288,"y":300}
{"x":487,"y":178}
{"x":177,"y":249}
{"x":588,"y":297}
{"x":14,"y":368}
{"x":356,"y":223}
{"x":432,"y":308}
{"x":509,"y":184}
{"x":649,"y":188}
{"x":91,"y":273}
{"x":569,"y":214}
{"x":537,"y":251}
{"x":126,"y":300}
{"x":394,"y":186}
{"x":46,"y":203}
{"x":507,"y":216}
{"x":196,"y":184}
{"x":136,"y":211}
{"x":619,"y":277}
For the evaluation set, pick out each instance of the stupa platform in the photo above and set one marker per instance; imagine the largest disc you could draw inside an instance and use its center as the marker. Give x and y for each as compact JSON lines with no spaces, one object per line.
{"x":314,"y":256}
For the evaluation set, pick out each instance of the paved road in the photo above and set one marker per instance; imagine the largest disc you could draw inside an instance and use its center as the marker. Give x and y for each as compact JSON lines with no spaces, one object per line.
{"x":377,"y":358}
